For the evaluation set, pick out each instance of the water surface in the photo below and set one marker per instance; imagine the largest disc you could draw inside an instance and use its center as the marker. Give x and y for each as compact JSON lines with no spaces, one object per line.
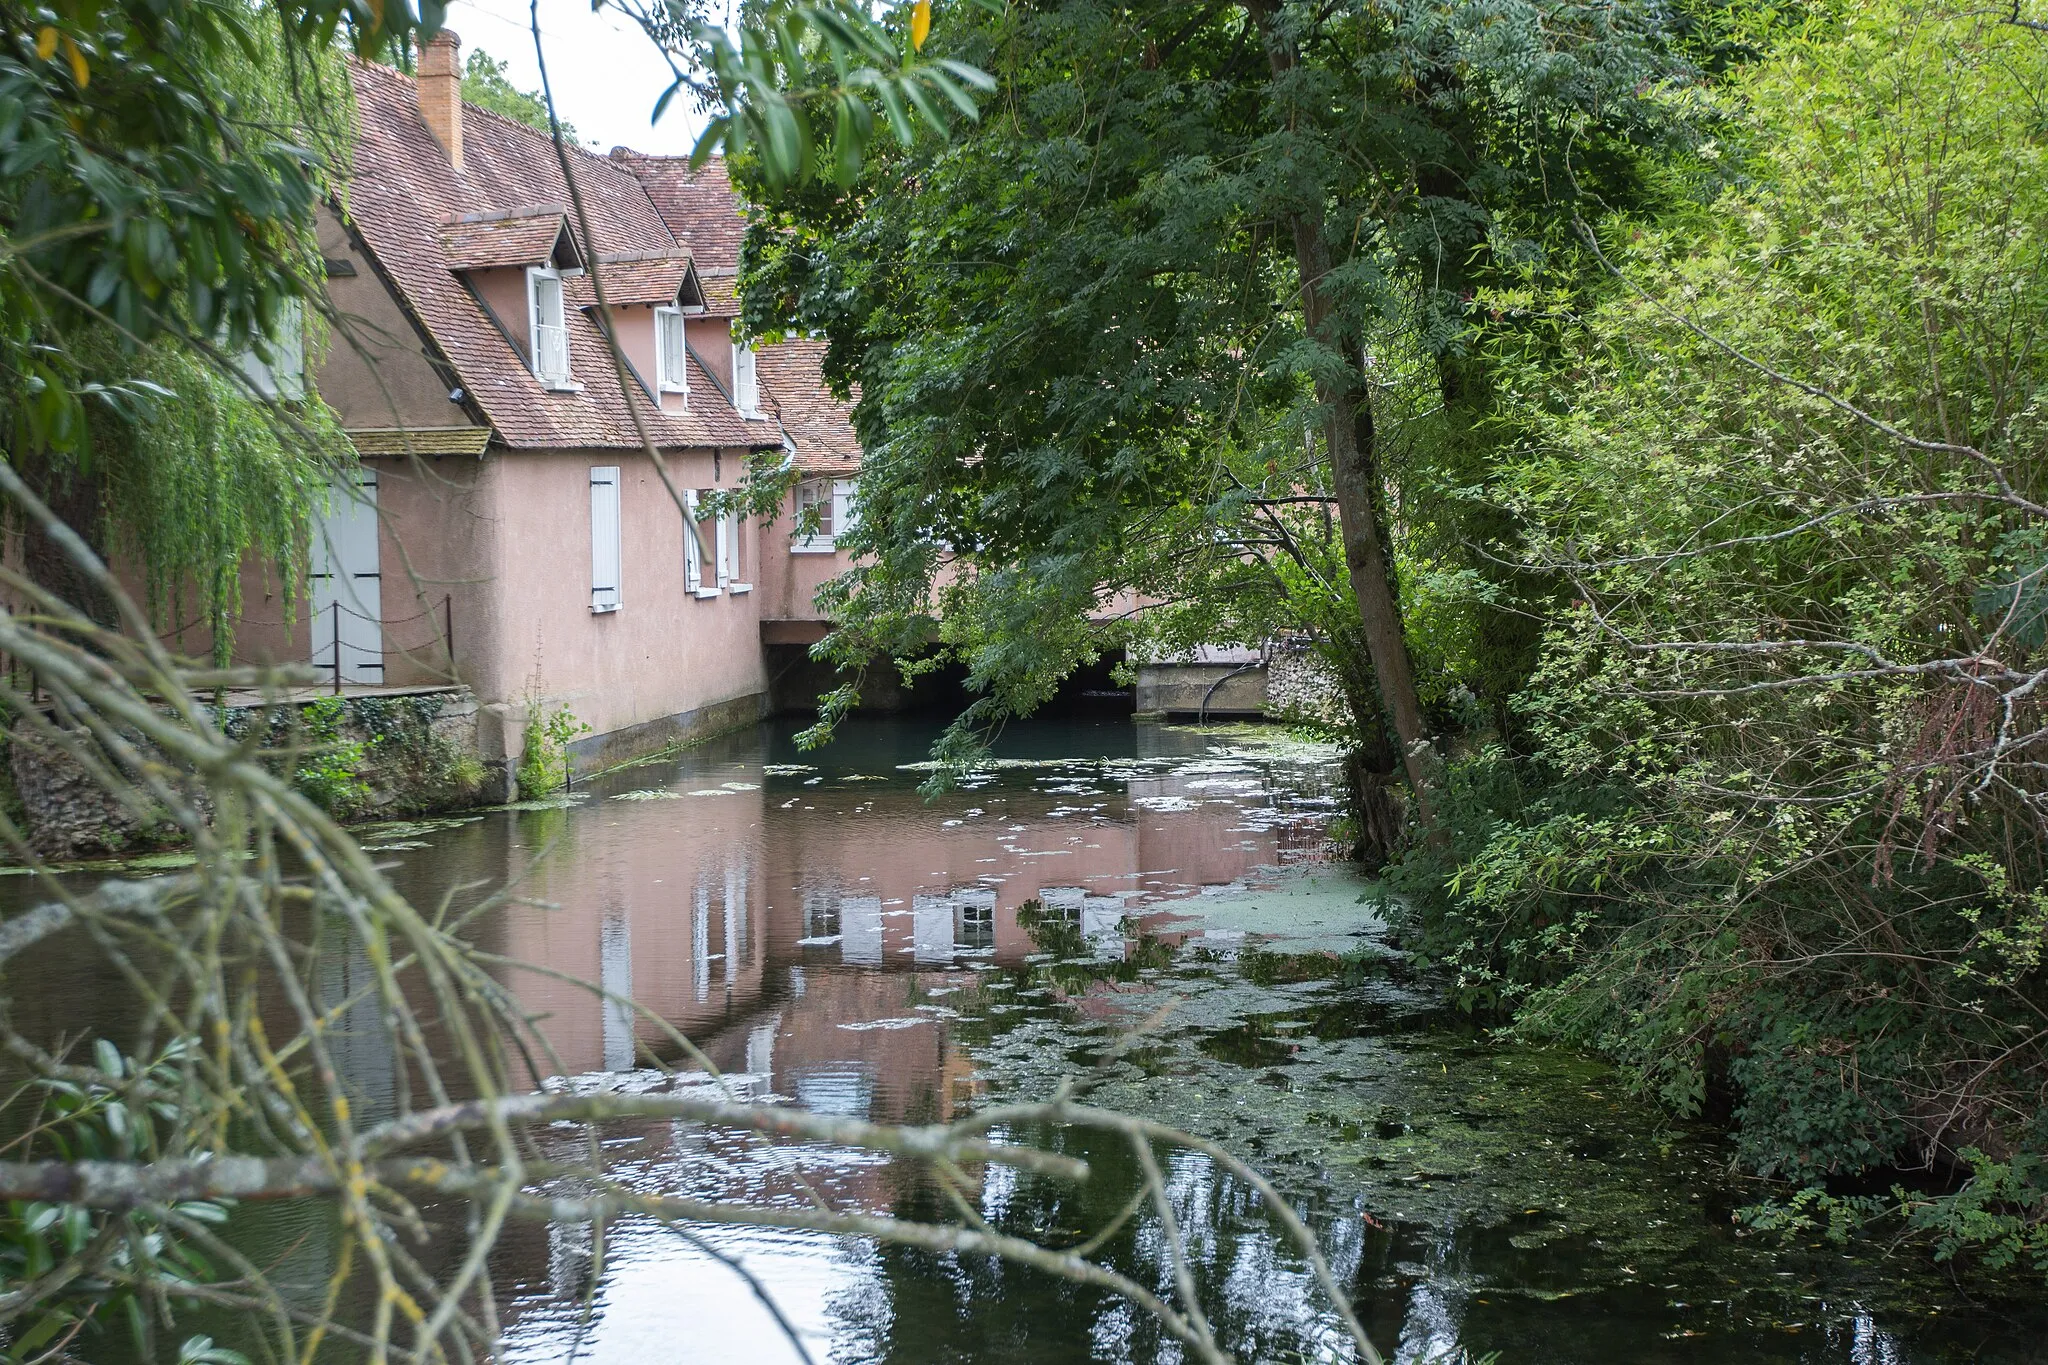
{"x":827,"y":937}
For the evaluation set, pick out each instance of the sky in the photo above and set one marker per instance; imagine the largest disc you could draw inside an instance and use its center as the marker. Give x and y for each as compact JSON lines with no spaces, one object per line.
{"x":605,"y":73}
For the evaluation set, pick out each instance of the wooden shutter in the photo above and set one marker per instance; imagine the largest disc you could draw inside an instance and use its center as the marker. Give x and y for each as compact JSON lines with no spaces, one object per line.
{"x":746,"y":389}
{"x":605,"y":553}
{"x":550,"y":333}
{"x":290,"y":369}
{"x":276,"y":367}
{"x":724,"y":550}
{"x":675,"y":370}
{"x":843,"y":507}
{"x":693,"y":564}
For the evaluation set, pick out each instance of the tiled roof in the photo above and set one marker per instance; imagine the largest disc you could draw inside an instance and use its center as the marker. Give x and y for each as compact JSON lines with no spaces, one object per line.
{"x":631,"y":282}
{"x":403,"y":196}
{"x":525,"y":239}
{"x":721,"y":295}
{"x":792,"y":377}
{"x":699,"y":207}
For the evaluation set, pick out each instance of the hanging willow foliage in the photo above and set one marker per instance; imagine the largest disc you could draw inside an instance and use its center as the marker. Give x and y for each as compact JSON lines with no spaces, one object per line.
{"x":199,"y":477}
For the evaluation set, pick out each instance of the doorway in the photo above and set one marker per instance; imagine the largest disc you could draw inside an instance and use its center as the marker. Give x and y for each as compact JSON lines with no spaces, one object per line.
{"x":348,"y":596}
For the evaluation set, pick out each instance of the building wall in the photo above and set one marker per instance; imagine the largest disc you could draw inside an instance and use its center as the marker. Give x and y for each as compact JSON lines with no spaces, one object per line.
{"x":377,"y":372}
{"x":504,"y":293}
{"x":711,"y":339}
{"x":440,"y":521}
{"x":789,"y":581}
{"x":664,"y":652}
{"x":263,"y":635}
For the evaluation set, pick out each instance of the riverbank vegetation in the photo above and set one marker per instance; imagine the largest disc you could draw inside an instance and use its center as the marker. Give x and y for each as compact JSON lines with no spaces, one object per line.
{"x":1688,"y":363}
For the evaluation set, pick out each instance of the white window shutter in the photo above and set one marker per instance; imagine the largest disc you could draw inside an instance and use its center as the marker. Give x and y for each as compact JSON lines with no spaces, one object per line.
{"x":675,"y":369}
{"x":724,"y":550}
{"x":605,"y":555}
{"x":289,"y":370}
{"x":693,"y":565}
{"x":550,"y":328}
{"x":282,"y":373}
{"x":746,"y":388}
{"x":844,"y":506}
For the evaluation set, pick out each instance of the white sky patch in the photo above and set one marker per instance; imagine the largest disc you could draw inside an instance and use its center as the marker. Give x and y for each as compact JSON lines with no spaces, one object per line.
{"x":605,"y":72}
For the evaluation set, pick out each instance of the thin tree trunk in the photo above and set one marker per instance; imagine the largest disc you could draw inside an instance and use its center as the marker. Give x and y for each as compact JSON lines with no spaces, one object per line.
{"x":1348,"y":430}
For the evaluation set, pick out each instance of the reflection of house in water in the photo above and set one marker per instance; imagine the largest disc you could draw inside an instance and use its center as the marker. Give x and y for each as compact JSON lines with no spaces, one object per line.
{"x":786,"y":931}
{"x":808,"y":935}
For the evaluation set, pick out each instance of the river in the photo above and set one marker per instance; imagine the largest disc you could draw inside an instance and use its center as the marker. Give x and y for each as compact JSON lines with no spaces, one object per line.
{"x":830,"y":938}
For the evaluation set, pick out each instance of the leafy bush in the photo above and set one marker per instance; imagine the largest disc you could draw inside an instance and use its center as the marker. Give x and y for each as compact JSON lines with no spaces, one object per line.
{"x":96,"y":1120}
{"x":1783,"y":837}
{"x":544,"y":764}
{"x":330,"y":767}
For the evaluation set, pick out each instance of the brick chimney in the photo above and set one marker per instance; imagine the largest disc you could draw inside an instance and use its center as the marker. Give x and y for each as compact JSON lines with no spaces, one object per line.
{"x":440,"y":84}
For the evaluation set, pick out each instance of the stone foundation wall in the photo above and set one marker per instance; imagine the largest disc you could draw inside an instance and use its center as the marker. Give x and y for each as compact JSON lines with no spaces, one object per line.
{"x":1301,"y":687}
{"x":362,"y":757}
{"x":595,"y":753}
{"x":1176,"y":689}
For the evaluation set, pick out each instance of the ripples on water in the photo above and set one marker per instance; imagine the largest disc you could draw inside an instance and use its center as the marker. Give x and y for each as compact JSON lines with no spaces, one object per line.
{"x":830,"y":939}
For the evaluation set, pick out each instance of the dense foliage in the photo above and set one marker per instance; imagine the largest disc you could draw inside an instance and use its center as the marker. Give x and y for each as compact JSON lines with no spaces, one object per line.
{"x":162,"y":167}
{"x":1698,"y":384}
{"x":1093,"y":362}
{"x":1785,"y":835}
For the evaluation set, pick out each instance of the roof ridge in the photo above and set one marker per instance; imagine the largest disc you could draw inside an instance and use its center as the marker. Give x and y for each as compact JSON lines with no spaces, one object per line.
{"x":517,"y":211}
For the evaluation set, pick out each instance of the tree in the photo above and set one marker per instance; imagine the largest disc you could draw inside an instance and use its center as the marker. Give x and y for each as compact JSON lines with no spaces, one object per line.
{"x":1179,"y":234}
{"x":485,"y":84}
{"x":1786,"y":837}
{"x":163,"y":160}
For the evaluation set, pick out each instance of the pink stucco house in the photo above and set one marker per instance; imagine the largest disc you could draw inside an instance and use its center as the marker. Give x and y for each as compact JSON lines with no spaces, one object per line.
{"x":510,"y":532}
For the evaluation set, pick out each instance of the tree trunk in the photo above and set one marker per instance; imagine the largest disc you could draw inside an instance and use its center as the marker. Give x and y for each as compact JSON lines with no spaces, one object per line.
{"x":1348,"y":430}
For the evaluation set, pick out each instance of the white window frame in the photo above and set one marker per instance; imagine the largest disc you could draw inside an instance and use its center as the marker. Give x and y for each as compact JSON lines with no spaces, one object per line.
{"x":826,"y":540}
{"x":732,"y":559}
{"x":693,"y":563}
{"x":565,"y":381}
{"x":662,"y":382}
{"x":746,"y":395}
{"x":607,"y":539}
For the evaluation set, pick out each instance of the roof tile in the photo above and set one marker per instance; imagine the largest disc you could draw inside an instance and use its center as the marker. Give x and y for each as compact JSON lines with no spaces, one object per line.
{"x":525,"y":240}
{"x":699,"y":206}
{"x":792,"y":375}
{"x":403,"y":198}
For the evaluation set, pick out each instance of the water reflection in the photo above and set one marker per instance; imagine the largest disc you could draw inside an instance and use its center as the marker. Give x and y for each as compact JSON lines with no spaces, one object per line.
{"x":698,"y":898}
{"x":827,"y":937}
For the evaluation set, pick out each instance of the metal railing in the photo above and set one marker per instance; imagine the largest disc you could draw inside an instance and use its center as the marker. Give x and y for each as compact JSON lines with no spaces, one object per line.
{"x":446,"y":612}
{"x":551,"y":353}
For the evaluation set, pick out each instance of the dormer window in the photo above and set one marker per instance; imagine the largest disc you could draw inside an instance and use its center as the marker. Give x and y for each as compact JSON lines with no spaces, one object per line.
{"x":746,"y":389}
{"x":671,"y":354}
{"x":548,"y":317}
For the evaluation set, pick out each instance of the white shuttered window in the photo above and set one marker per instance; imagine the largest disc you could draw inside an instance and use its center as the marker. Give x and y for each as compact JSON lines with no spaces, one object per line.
{"x":732,"y":553}
{"x":693,"y":558}
{"x":746,"y":387}
{"x":671,"y":351}
{"x":550,"y":330}
{"x":278,"y":369}
{"x":605,"y":553}
{"x":845,"y":507}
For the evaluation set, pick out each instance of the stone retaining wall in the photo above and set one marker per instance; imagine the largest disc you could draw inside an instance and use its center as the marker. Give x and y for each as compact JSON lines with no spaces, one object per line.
{"x":394,"y":753}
